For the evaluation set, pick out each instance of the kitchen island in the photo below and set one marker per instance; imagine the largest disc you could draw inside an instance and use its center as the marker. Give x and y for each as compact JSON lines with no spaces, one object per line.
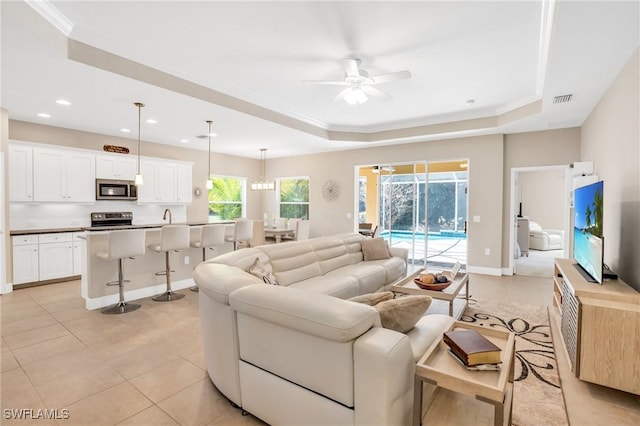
{"x":140,"y":271}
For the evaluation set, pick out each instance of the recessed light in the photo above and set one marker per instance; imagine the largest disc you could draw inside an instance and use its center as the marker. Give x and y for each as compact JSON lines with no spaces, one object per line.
{"x":470,"y":102}
{"x":125,"y":130}
{"x":184,"y":140}
{"x":213,"y":135}
{"x":44,"y":115}
{"x":152,"y":121}
{"x":63,"y":102}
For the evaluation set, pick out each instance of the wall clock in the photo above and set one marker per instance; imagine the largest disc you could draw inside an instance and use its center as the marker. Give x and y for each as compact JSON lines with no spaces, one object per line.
{"x":330,"y":190}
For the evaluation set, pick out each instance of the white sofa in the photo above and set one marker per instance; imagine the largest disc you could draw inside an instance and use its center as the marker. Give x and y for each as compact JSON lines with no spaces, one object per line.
{"x":544,"y":239}
{"x":296,"y":353}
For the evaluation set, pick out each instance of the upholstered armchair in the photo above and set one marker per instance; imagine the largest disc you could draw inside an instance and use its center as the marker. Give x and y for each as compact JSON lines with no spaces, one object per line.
{"x":544,"y":239}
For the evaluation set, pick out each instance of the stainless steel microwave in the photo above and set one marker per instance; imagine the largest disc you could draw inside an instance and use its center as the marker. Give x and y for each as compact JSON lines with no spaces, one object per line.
{"x":112,"y":189}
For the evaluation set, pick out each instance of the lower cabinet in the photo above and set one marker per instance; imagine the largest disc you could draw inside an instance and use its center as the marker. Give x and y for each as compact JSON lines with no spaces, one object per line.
{"x":46,"y":257}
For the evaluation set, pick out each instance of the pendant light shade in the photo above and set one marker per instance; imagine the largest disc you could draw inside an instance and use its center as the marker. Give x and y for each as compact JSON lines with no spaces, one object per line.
{"x":139,"y":180}
{"x":263,"y":184}
{"x":209,"y":178}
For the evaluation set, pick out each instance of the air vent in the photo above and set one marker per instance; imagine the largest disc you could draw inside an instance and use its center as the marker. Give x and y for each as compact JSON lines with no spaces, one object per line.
{"x":201,"y":136}
{"x":562,"y":99}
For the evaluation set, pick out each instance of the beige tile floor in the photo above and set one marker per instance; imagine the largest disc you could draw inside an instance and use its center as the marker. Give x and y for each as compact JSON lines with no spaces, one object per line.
{"x":147,"y":367}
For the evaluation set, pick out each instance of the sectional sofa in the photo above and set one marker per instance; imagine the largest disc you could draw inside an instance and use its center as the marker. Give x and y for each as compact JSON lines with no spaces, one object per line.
{"x":297,"y":352}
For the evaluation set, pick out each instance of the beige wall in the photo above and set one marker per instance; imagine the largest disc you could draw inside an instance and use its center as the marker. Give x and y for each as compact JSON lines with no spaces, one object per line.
{"x":534,"y":149}
{"x":611,"y":139}
{"x":541,"y":193}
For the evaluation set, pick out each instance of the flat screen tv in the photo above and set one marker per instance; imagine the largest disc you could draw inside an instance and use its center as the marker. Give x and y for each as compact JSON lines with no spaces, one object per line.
{"x":588,"y":241}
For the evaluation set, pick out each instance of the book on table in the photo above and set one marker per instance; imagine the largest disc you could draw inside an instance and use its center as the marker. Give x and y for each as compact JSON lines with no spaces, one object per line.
{"x":471,"y":347}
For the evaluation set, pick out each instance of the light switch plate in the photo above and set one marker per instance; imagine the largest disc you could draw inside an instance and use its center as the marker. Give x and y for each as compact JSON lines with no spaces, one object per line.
{"x":476,"y":218}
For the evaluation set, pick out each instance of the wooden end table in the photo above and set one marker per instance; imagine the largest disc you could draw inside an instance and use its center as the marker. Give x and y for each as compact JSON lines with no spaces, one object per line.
{"x":449,"y":294}
{"x":438,"y":367}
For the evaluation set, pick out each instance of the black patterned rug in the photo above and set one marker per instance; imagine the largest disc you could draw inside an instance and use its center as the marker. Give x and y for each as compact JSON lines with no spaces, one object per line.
{"x":537,"y":395}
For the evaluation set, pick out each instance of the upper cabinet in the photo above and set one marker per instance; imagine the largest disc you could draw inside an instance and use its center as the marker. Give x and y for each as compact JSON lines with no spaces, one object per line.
{"x":41,"y":174}
{"x":66,"y":176}
{"x":20,"y":173}
{"x":116,"y":167}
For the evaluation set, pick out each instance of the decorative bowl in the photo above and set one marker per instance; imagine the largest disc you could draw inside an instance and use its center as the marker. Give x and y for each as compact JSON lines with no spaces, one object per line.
{"x":432,"y":287}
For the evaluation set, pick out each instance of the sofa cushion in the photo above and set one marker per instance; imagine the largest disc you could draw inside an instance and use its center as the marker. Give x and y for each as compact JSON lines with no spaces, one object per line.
{"x":331,"y":253}
{"x":371,"y":277}
{"x":292,"y":262}
{"x":395,"y":268}
{"x":263,"y":271}
{"x":402,"y":314}
{"x":340,"y":286}
{"x":427,"y":330}
{"x":375,"y":249}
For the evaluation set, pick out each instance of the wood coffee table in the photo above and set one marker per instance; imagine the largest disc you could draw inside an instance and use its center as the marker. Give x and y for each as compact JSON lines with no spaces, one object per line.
{"x":438,"y":367}
{"x":449,"y":294}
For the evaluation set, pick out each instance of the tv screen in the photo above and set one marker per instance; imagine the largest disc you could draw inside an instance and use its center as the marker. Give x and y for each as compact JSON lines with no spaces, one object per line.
{"x":587,"y":231}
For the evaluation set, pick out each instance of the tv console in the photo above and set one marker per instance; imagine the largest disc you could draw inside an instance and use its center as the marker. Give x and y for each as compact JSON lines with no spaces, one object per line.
{"x":600,"y":326}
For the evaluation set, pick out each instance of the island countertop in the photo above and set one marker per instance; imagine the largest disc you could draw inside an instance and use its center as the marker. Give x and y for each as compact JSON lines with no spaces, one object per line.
{"x":105,"y":228}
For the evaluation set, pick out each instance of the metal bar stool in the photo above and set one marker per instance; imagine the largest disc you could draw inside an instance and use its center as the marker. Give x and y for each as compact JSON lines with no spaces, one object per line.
{"x":172,"y":238}
{"x":210,"y":237}
{"x":122,"y":244}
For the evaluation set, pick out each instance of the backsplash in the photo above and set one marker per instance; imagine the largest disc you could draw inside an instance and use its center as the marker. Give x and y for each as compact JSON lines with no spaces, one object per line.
{"x":49,"y":216}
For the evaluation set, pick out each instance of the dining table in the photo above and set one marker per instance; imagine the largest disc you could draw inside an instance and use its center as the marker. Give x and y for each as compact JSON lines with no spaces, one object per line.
{"x":277,"y":233}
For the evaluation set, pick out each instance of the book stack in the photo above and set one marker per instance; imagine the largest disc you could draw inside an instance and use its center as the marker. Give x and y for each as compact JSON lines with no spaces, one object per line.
{"x":472,"y":349}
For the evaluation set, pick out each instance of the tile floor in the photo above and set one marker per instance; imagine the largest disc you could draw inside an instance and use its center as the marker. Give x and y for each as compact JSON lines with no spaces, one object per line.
{"x":147,"y":367}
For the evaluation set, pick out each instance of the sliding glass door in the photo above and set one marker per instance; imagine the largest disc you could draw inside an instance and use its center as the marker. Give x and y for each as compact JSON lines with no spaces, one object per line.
{"x":420,"y":208}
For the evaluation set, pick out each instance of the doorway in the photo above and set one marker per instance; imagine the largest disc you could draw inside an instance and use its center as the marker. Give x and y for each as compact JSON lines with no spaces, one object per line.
{"x":418,"y":206}
{"x":540,"y":219}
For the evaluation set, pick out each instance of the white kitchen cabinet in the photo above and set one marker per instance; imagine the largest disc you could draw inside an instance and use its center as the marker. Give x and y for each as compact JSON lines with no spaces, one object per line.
{"x":184,"y":182}
{"x":25,"y":259}
{"x":116,"y":167}
{"x":55,"y":256}
{"x":78,"y":240}
{"x":159,"y":182}
{"x":63,"y":176}
{"x":20,"y":173}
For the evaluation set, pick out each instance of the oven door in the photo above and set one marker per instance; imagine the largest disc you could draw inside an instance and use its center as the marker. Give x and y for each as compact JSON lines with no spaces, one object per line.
{"x":109,"y":189}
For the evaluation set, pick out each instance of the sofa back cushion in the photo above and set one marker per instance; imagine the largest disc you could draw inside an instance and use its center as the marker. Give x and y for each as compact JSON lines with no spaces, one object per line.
{"x":331,"y":253}
{"x":353,"y":245}
{"x":292,"y":262}
{"x":242,"y":259}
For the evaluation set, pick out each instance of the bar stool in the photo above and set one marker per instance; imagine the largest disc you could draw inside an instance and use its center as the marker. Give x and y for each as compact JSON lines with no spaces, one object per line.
{"x":242,"y":232}
{"x":122,"y":244}
{"x":210,"y":236}
{"x":172,"y":238}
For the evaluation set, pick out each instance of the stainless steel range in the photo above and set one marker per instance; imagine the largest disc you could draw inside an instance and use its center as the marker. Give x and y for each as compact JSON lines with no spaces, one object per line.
{"x":111,"y":219}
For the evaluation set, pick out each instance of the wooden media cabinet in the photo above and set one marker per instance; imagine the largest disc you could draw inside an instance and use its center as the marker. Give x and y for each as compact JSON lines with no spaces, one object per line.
{"x":600,"y":327}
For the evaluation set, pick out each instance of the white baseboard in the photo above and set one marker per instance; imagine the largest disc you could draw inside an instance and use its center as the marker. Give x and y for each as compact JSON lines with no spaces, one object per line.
{"x":141,"y":293}
{"x":507,"y":271}
{"x":484,"y":271}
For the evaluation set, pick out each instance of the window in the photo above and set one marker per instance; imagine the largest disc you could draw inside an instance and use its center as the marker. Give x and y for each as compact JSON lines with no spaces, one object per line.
{"x":294,"y":197}
{"x":226,"y":198}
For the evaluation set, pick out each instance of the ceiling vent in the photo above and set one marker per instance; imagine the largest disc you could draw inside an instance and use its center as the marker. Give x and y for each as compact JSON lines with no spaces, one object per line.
{"x":562,"y":98}
{"x":201,"y":136}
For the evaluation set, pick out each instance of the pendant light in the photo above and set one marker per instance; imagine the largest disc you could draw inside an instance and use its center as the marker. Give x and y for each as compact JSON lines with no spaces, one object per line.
{"x":139,"y":180}
{"x":209,"y":179}
{"x":262,"y":184}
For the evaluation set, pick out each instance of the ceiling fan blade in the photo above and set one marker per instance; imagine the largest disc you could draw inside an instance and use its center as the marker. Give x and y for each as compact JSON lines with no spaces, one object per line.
{"x":351,"y":67}
{"x":330,"y":82}
{"x":375,"y":92}
{"x":340,"y":96}
{"x":398,"y":75}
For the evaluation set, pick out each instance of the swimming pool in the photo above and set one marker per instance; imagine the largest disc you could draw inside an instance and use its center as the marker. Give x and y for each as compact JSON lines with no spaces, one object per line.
{"x":406,"y":235}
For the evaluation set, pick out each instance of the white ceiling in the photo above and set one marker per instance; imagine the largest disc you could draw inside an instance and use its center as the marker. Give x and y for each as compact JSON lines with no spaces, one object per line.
{"x":241,"y":64}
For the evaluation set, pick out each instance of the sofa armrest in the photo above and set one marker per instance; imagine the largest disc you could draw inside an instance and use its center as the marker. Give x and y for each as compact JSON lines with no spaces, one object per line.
{"x":400,"y":252}
{"x":559,"y":232}
{"x":312,"y":313}
{"x":218,"y":280}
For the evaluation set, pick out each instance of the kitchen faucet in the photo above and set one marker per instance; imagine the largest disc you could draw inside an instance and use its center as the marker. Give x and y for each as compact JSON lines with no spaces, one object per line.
{"x":164,"y":215}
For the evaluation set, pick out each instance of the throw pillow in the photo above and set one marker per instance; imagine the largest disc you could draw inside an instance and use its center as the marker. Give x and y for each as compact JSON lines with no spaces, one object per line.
{"x":260,"y":270}
{"x":372,"y":299}
{"x":375,"y":249}
{"x":403,"y":313}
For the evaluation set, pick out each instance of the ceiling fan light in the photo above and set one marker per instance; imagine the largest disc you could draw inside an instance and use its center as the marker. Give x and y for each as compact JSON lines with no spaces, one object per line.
{"x":355,"y":96}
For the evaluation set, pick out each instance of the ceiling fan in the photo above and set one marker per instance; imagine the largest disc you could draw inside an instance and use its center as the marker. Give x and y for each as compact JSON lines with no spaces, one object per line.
{"x":359,"y":83}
